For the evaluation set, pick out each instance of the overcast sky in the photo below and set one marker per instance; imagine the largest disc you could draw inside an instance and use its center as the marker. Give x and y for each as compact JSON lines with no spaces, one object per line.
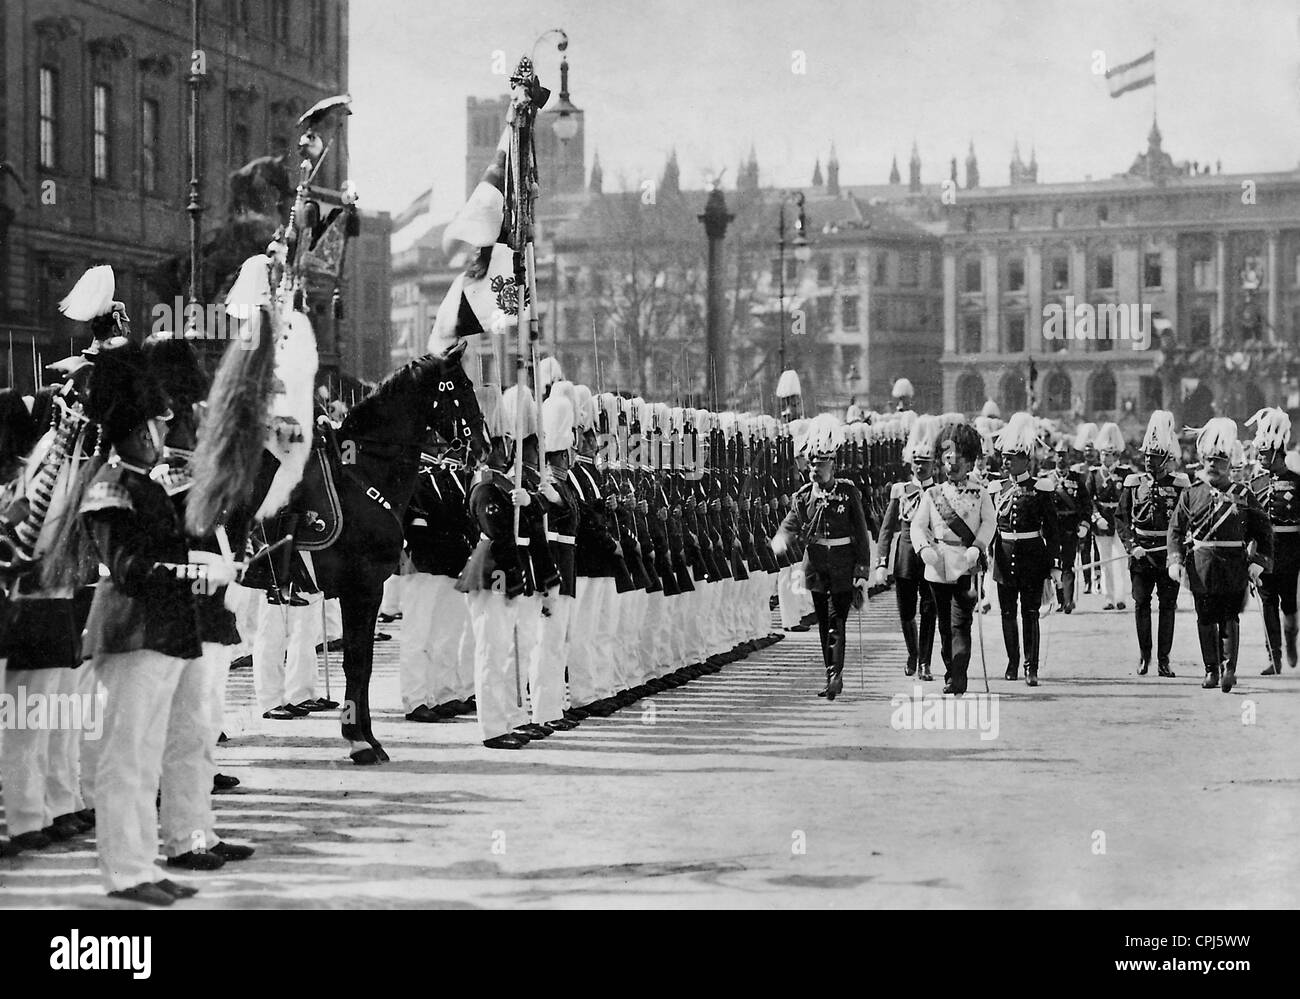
{"x":710,"y":77}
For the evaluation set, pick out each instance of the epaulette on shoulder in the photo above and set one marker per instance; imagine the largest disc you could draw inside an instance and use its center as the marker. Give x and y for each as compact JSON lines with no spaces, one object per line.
{"x":1181,"y":480}
{"x":1132,"y":479}
{"x":106,"y":494}
{"x":898,"y":490}
{"x":1293,"y":461}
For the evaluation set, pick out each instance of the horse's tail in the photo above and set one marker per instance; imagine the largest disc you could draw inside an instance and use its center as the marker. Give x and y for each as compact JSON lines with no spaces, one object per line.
{"x":233,"y":432}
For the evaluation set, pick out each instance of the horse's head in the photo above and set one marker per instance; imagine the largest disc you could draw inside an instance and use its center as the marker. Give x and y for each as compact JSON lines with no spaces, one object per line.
{"x":456,"y":413}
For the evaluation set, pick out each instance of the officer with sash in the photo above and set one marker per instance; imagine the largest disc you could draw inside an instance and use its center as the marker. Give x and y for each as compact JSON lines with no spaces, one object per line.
{"x":1277,"y":487}
{"x":1105,"y":483}
{"x":1146,"y":502}
{"x":1210,"y":533}
{"x":1027,"y":546}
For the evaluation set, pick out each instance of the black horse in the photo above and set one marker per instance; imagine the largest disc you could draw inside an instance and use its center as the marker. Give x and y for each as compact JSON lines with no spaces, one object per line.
{"x":379,"y":446}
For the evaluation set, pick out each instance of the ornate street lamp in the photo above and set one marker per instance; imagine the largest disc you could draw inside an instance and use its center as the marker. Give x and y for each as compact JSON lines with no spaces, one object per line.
{"x":566,"y":122}
{"x":802,"y":253}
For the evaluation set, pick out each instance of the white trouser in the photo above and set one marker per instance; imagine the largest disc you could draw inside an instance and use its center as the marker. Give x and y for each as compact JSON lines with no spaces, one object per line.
{"x":140,"y":686}
{"x":632,"y":611}
{"x":501,"y":627}
{"x":655,"y":648}
{"x":432,"y":625}
{"x":393,"y":595}
{"x":92,"y":739}
{"x":189,"y":761}
{"x":678,"y":608}
{"x":1114,"y":574}
{"x":25,"y":755}
{"x":63,"y":792}
{"x":284,"y":653}
{"x":584,"y":639}
{"x":549,"y":657}
{"x":788,"y":596}
{"x":462,"y":687}
{"x":333,"y":619}
{"x":245,"y":603}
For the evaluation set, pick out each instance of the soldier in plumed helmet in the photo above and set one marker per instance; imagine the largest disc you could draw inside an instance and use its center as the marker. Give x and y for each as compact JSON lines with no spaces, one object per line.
{"x":827,"y":516}
{"x":1277,"y":487}
{"x":142,"y":630}
{"x":1027,"y":546}
{"x":1146,"y":503}
{"x":1211,"y":533}
{"x":909,"y":571}
{"x":1104,"y":485}
{"x":1073,"y":513}
{"x":903,"y":393}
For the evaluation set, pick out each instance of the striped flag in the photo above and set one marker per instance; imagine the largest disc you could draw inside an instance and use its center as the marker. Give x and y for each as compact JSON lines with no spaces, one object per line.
{"x":1141,"y":72}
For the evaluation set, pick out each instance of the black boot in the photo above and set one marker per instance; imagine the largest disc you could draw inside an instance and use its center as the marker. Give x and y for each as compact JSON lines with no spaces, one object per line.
{"x":1162,"y":667}
{"x":1143,"y":664}
{"x":1211,"y":678}
{"x":1231,"y":630}
{"x":909,"y":639}
{"x":1290,"y":626}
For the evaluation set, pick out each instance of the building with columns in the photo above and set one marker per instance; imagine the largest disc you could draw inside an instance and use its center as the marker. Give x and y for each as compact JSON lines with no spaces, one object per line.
{"x":1210,"y":261}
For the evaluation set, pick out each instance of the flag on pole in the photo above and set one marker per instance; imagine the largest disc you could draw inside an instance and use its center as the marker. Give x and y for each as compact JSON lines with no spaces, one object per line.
{"x":478,"y":223}
{"x":1141,"y":72}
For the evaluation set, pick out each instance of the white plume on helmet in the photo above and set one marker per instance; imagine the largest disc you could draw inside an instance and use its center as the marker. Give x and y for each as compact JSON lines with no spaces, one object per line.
{"x":903,"y":389}
{"x":91,"y":296}
{"x":548,"y":372}
{"x":825,"y":436}
{"x":788,"y":385}
{"x":513,"y":400}
{"x":1272,"y":429}
{"x":1110,"y":439}
{"x":1085,"y":435}
{"x":1216,"y":438}
{"x":991,"y":409}
{"x":557,"y":420}
{"x":1161,"y":436}
{"x":920,"y":441}
{"x":1019,"y":436}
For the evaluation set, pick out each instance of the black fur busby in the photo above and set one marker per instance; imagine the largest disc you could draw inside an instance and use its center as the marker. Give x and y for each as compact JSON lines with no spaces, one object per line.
{"x":175,"y":362}
{"x":123,"y":391}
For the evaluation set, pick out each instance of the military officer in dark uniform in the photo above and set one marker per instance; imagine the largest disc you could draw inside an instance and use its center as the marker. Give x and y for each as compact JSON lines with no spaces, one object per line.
{"x":909,"y":571}
{"x":1277,"y":487}
{"x":1073,"y":512}
{"x":1213,"y":525}
{"x":1146,"y":502}
{"x":826,"y":515}
{"x":1026,"y":546}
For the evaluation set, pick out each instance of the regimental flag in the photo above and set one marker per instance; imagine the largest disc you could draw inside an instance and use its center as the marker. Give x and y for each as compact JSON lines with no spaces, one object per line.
{"x":1141,"y":72}
{"x":486,"y":304}
{"x":479,"y":222}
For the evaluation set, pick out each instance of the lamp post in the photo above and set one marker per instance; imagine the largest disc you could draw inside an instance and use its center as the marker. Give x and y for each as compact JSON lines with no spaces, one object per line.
{"x":716,"y":219}
{"x":195,"y":205}
{"x":802,"y":253}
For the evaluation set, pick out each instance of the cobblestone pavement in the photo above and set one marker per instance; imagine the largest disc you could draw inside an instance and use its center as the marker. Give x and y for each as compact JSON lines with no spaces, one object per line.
{"x":743,"y":789}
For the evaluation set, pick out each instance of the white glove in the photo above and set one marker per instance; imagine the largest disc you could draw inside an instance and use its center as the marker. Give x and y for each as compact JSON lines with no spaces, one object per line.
{"x":218,"y":570}
{"x":1175,"y":571}
{"x":972,"y":556}
{"x":881,"y":575}
{"x":930,"y":557}
{"x":1256,"y":570}
{"x":1056,"y":577}
{"x":1083,"y":530}
{"x":778,"y":545}
{"x":1138,"y":552}
{"x":520,"y":497}
{"x":1103,"y":524}
{"x":551,"y":493}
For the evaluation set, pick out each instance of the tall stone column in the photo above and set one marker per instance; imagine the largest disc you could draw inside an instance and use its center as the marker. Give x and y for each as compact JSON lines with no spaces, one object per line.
{"x":992,"y":302}
{"x":1274,"y":280}
{"x":1221,"y":280}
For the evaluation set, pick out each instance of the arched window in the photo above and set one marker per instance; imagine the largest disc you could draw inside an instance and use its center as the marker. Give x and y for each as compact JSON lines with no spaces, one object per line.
{"x":1013,"y":392}
{"x":1058,"y":392}
{"x":970,"y":392}
{"x":1102,"y":392}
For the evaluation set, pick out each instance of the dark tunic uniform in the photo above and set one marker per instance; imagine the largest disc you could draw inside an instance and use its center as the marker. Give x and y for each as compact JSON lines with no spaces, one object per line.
{"x":909,"y":572}
{"x":829,"y":521}
{"x":497,"y":562}
{"x":562,"y":519}
{"x":142,"y":604}
{"x":1073,"y":507}
{"x":1026,"y":548}
{"x":1279,"y":494}
{"x":1210,"y":534}
{"x":439,"y":531}
{"x":1142,"y":518}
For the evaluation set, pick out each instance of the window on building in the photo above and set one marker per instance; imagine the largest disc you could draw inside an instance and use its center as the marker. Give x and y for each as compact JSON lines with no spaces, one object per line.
{"x":970,"y":392}
{"x":1060,"y":273}
{"x":1151,"y":270}
{"x":974,"y":276}
{"x":1103,"y":214}
{"x":1203,"y":276}
{"x":1101,"y":392}
{"x":850,"y":269}
{"x":102,"y":100}
{"x":909,"y":270}
{"x":49,"y":118}
{"x":1055,"y":345}
{"x":1056,"y":396}
{"x":149,"y":146}
{"x":1151,"y":393}
{"x":1105,"y":270}
{"x":972,"y":333}
{"x":823,"y":271}
{"x":1013,"y":221}
{"x":1199,"y":328}
{"x":882,"y":268}
{"x":1015,"y":334}
{"x":1058,"y":218}
{"x":849,"y":312}
{"x":239,"y":143}
{"x":1015,"y":274}
{"x":822,"y":314}
{"x":280,"y":21}
{"x":1014,"y":399}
